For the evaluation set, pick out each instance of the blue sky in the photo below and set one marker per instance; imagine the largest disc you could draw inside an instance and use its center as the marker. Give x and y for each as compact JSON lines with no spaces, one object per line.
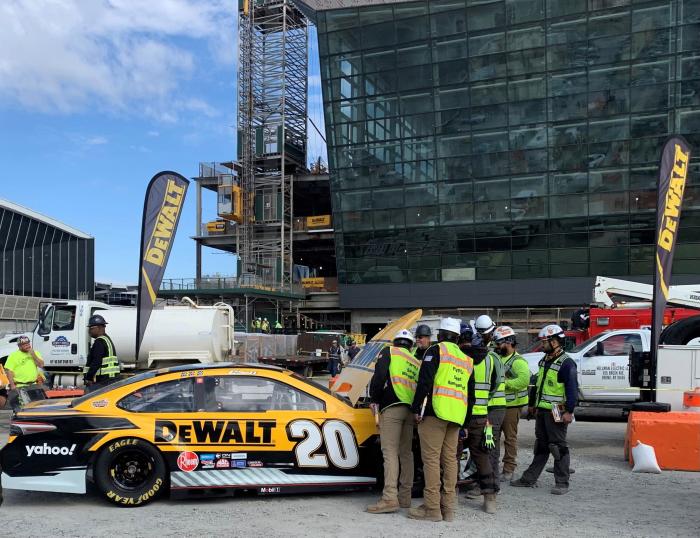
{"x":97,"y":96}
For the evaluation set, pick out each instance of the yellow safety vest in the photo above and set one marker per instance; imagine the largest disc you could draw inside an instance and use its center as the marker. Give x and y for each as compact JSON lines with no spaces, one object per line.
{"x":110,"y":363}
{"x":515,"y":398}
{"x":497,"y":399}
{"x":450,"y":393}
{"x":403,"y":372}
{"x":482,"y":386}
{"x":549,"y":389}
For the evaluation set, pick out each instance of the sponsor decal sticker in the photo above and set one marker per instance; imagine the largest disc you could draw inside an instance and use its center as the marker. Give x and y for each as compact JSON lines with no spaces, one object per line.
{"x":48,"y":450}
{"x":61,"y":341}
{"x":206,"y":461}
{"x":270,"y":490}
{"x":187,"y":461}
{"x":239,"y":463}
{"x":100,"y":403}
{"x":216,"y":432}
{"x":255,"y":463}
{"x":222,"y":464}
{"x":192,"y":373}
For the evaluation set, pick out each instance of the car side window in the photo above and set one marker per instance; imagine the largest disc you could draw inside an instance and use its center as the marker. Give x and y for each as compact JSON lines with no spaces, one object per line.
{"x":176,"y":396}
{"x":249,"y":394}
{"x":622,"y":344}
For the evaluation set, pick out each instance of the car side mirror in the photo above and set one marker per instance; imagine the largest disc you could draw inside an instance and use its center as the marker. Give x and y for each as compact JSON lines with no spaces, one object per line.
{"x":599,"y":348}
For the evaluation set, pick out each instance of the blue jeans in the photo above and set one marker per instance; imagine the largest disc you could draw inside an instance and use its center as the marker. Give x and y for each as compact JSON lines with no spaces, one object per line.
{"x":333,"y":364}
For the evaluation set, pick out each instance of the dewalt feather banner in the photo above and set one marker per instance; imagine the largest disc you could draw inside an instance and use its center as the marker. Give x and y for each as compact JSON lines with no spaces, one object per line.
{"x":165,"y":197}
{"x":673,"y":172}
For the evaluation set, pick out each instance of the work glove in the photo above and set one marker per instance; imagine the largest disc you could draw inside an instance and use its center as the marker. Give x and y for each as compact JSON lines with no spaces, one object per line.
{"x":489,"y":443}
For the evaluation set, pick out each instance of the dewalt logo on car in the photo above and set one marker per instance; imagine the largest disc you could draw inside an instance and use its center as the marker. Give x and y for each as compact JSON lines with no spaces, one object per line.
{"x":215,"y":432}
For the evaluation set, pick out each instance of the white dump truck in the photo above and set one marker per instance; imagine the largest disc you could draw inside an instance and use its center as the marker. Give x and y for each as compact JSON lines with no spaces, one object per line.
{"x":175,"y":334}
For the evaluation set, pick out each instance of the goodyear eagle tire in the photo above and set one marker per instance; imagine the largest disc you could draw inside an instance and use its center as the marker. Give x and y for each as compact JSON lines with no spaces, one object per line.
{"x":130,"y":472}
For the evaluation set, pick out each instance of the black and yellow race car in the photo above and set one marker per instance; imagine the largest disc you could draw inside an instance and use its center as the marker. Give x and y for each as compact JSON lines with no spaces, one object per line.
{"x":193,"y":430}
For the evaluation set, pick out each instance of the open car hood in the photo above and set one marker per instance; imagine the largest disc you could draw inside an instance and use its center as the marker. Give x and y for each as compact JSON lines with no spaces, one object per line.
{"x":355,"y":377}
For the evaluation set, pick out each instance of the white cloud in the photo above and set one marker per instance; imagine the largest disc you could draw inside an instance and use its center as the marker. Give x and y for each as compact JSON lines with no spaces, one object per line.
{"x":96,"y":141}
{"x":127,"y":56}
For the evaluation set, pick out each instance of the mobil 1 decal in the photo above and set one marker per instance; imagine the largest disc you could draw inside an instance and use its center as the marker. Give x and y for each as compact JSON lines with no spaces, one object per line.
{"x":330,"y":444}
{"x":215,"y":432}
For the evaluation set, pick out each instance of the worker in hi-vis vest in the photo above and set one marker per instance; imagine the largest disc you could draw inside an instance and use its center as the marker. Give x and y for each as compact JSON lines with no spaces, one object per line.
{"x":391,"y":393}
{"x":440,"y":409}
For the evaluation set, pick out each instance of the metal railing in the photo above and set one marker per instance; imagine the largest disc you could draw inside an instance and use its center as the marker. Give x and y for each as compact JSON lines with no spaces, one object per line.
{"x":212,"y":283}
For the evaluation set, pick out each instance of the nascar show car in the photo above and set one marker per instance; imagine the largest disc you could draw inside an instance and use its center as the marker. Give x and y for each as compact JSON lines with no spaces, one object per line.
{"x":194,"y":430}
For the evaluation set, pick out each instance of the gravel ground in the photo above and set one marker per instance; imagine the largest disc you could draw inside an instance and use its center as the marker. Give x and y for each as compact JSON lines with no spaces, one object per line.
{"x":606,"y":499}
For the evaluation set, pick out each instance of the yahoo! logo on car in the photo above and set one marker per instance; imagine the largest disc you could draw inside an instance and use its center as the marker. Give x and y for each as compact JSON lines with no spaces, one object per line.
{"x":46,"y":450}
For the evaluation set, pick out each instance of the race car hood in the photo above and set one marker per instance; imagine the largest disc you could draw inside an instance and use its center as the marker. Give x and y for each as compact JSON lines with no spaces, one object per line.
{"x":352,"y":382}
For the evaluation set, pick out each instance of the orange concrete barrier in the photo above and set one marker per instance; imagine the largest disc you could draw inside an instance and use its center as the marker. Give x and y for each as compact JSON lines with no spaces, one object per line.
{"x":675,"y":437}
{"x":691,"y":400}
{"x":64,"y":393}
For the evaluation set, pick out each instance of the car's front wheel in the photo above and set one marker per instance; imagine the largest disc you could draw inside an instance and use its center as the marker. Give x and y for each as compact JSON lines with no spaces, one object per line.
{"x":130,"y":472}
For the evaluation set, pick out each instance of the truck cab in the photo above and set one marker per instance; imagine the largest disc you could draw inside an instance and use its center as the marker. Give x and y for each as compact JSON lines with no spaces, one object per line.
{"x":603,"y":364}
{"x":60,"y":334}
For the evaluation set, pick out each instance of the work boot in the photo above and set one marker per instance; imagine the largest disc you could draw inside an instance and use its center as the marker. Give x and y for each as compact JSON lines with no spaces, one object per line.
{"x":551,"y":470}
{"x":520,"y":483}
{"x":490,"y":503}
{"x":506,"y":476}
{"x":422,"y":512}
{"x":383,"y":507}
{"x":447,"y":514}
{"x":559,"y":490}
{"x":405,"y":501}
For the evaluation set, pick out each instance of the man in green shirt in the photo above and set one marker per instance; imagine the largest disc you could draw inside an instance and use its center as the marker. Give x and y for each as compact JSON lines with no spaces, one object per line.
{"x":22,"y":366}
{"x":517,"y":376}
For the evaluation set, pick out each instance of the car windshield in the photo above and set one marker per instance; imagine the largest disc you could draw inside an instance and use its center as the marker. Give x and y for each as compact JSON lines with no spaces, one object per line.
{"x":122,"y":383}
{"x":343,"y":399}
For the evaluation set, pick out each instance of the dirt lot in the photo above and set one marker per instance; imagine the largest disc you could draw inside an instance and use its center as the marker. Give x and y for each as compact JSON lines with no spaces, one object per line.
{"x":606,"y":499}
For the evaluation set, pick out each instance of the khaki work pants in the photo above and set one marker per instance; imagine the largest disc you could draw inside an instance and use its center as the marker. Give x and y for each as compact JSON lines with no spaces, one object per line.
{"x":396,"y":437}
{"x":438,"y":446}
{"x":510,"y":438}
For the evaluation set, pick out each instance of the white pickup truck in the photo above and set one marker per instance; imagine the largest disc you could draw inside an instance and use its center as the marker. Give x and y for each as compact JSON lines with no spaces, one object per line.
{"x":603,"y":365}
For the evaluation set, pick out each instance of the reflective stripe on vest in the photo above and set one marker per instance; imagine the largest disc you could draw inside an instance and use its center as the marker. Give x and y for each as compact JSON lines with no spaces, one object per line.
{"x":549,"y":389}
{"x":482,"y":386}
{"x":110,"y":363}
{"x":403,"y":372}
{"x":497,"y":398}
{"x":450,"y":394}
{"x":519,"y":398}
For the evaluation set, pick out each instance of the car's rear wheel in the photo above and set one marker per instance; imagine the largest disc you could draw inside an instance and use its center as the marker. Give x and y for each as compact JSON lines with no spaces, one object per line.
{"x":130,"y":472}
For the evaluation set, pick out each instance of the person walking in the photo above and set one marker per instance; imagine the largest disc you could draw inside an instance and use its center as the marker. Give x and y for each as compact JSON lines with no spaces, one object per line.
{"x":517,"y":378}
{"x":353,"y":349}
{"x":553,"y":400}
{"x":423,"y":335}
{"x":102,"y":367}
{"x":440,"y":409}
{"x":391,"y":391}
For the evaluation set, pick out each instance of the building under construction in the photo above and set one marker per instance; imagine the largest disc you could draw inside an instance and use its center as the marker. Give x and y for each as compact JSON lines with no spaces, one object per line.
{"x":273,"y":212}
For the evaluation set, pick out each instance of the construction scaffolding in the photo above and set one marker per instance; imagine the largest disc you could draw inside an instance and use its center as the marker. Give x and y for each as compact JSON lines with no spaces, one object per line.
{"x":272,"y":109}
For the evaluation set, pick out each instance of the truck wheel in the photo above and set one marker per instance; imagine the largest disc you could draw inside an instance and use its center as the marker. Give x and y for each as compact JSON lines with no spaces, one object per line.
{"x":130,"y":472}
{"x":308,"y":371}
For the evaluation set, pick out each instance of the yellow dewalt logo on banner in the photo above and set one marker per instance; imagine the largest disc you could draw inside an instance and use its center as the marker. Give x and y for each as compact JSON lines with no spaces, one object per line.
{"x":316,"y":282}
{"x":674,"y":198}
{"x":318,"y":221}
{"x":165,"y":225}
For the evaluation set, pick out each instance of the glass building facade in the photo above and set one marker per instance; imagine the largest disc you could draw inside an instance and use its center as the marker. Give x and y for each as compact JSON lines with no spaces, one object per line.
{"x":511,"y":139}
{"x":42,"y":258}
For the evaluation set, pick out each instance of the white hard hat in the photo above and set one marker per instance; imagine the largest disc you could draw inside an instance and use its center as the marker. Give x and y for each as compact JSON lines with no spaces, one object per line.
{"x":405,"y":335}
{"x":548,"y":331}
{"x":484,"y":324}
{"x":450,"y":324}
{"x":503,"y":332}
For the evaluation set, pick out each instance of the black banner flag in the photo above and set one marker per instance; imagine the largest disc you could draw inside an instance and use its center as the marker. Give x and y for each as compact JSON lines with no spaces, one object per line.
{"x":673,"y":171}
{"x":162,"y":207}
